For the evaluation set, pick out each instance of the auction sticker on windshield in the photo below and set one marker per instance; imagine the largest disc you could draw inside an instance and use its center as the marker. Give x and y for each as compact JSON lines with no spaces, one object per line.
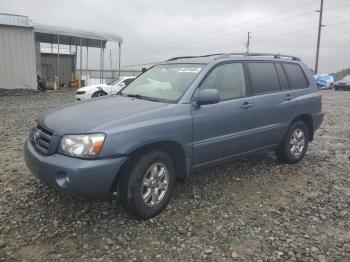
{"x":193,"y":70}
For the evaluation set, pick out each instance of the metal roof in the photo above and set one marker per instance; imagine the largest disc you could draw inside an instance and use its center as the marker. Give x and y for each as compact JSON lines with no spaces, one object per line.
{"x":14,"y":20}
{"x":67,"y":36}
{"x":73,"y":36}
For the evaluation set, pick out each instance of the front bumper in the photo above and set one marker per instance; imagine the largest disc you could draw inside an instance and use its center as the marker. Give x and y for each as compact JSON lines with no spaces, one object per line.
{"x":85,"y":178}
{"x":342,"y":87}
{"x":83,"y":97}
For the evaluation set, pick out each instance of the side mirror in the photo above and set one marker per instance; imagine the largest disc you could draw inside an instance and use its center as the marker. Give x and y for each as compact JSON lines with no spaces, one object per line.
{"x":208,"y":97}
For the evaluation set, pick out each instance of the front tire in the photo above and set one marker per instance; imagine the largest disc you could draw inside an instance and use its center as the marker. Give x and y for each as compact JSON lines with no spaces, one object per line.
{"x":98,"y":94}
{"x":294,"y":145}
{"x":146,"y":184}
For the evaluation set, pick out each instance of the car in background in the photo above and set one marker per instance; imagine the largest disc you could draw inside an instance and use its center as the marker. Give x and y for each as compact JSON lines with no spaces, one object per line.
{"x":343,"y":84}
{"x":324,"y":81}
{"x":111,"y":88}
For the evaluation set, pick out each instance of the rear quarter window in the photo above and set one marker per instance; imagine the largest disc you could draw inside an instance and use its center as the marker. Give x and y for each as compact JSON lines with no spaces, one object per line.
{"x":296,"y":76}
{"x":263,"y":77}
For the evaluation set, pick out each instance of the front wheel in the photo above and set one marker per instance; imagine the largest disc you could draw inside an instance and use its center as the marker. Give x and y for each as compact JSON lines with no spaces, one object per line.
{"x":98,"y":94}
{"x":145,"y":187}
{"x":294,"y":144}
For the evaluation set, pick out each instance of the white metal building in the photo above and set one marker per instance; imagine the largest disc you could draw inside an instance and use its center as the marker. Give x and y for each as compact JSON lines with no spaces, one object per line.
{"x":17,"y":52}
{"x":20,"y":51}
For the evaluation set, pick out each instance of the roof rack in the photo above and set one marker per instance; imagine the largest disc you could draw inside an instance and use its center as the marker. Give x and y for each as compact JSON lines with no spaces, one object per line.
{"x":199,"y":56}
{"x":223,"y":55}
{"x":276,"y":56}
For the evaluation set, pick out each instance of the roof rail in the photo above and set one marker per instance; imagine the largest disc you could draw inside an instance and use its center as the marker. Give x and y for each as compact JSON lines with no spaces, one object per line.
{"x":276,"y":56}
{"x":223,"y":55}
{"x":199,"y":56}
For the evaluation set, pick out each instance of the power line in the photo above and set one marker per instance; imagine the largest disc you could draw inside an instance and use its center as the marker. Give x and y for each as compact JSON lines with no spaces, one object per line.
{"x":259,"y":26}
{"x":238,"y":25}
{"x":345,"y":23}
{"x":235,"y":32}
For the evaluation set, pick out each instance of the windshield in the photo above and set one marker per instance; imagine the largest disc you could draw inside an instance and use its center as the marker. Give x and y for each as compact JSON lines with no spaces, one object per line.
{"x":346,"y":79}
{"x":165,"y":83}
{"x":113,"y":82}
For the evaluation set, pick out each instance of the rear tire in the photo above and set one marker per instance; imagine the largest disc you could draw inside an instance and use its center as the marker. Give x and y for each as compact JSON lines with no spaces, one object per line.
{"x":295,"y":143}
{"x":145,"y":186}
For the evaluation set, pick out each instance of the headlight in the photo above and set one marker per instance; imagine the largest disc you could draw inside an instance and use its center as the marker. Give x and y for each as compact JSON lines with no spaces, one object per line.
{"x":84,"y":146}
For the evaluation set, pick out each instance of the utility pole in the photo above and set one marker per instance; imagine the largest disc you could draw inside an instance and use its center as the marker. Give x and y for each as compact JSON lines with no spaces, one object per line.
{"x":248,"y":42}
{"x":320,"y":25}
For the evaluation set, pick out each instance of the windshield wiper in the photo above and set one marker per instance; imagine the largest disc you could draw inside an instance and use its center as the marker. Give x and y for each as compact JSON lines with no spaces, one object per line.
{"x":141,"y":97}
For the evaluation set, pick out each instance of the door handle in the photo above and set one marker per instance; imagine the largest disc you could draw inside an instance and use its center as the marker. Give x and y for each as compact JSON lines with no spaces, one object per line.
{"x":246,"y":105}
{"x":289,"y":97}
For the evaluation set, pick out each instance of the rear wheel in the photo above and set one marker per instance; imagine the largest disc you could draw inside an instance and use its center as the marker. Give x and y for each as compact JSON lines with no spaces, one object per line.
{"x":294,"y":144}
{"x":98,"y":94}
{"x":145,"y":187}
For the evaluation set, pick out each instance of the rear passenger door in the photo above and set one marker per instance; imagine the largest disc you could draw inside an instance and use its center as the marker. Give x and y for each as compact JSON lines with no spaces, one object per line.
{"x":273,"y":100}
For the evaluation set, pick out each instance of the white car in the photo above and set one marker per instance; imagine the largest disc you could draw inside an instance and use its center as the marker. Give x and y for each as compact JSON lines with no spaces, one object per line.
{"x":109,"y":89}
{"x":324,"y":81}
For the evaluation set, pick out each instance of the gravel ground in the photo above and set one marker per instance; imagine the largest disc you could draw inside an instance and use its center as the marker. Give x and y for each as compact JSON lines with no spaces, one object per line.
{"x":254,"y":209}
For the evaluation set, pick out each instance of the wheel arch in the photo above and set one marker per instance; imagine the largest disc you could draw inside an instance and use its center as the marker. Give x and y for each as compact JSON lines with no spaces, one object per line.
{"x":307,"y":119}
{"x":99,"y":90}
{"x":174,"y":149}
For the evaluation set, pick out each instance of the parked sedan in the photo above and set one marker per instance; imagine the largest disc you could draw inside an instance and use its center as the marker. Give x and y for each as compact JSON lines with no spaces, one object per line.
{"x":343,"y":84}
{"x":111,"y":88}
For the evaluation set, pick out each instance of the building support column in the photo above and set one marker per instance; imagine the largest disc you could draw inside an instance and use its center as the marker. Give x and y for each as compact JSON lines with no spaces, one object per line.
{"x":58,"y":61}
{"x":87,"y":63}
{"x":101,"y":63}
{"x":120,"y":54}
{"x":81,"y":61}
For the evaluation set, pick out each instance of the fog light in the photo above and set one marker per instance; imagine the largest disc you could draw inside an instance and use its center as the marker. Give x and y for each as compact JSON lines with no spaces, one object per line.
{"x":62,"y":179}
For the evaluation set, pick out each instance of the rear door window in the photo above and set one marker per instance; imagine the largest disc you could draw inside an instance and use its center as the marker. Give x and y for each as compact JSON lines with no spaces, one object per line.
{"x":263,"y":77}
{"x":296,"y":76}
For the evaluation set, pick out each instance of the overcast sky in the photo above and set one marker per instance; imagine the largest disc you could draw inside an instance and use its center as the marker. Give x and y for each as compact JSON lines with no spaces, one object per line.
{"x":159,"y":29}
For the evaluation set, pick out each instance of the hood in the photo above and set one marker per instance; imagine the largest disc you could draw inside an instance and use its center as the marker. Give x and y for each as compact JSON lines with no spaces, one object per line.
{"x":91,"y":87}
{"x":86,"y":117}
{"x":343,"y":82}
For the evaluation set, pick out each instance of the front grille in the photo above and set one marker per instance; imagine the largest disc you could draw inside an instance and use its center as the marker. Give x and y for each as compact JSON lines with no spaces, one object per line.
{"x":41,"y":139}
{"x":80,"y":92}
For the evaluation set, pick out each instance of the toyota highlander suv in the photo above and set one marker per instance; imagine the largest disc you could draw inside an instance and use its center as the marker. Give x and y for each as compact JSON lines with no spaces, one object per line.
{"x":180,"y":116}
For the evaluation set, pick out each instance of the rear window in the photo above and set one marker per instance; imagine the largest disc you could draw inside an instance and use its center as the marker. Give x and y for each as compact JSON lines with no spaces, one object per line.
{"x":263,"y":78}
{"x":296,"y":76}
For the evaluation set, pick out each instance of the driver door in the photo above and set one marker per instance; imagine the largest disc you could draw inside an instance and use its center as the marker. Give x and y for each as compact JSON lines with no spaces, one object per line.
{"x":223,"y":129}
